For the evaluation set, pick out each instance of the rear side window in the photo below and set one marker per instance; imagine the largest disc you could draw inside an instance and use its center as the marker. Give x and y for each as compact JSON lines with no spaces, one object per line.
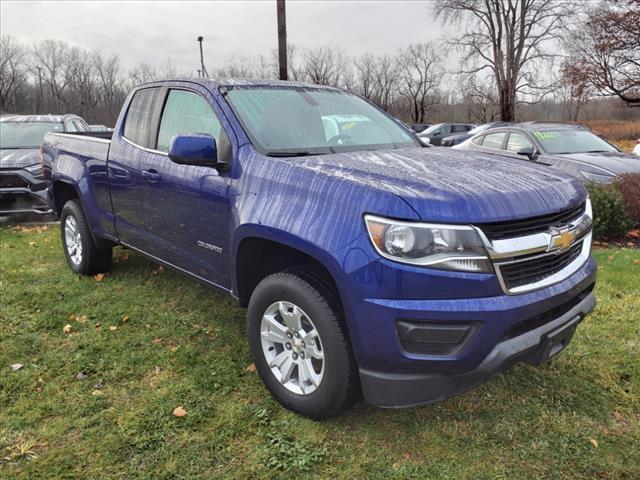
{"x":186,"y":112}
{"x":517,"y":142}
{"x":459,"y":128}
{"x":494,"y":140}
{"x":137,"y":124}
{"x":478,"y":140}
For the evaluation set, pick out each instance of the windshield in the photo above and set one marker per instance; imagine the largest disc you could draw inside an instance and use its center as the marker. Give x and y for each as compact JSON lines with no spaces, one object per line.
{"x":480,"y":128}
{"x":287,"y":121}
{"x":432,"y":129}
{"x":571,"y":141}
{"x":25,"y":134}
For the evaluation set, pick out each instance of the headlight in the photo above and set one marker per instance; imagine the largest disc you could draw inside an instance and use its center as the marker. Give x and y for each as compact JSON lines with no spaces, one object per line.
{"x":35,"y":170}
{"x":596,"y":177}
{"x":447,"y":247}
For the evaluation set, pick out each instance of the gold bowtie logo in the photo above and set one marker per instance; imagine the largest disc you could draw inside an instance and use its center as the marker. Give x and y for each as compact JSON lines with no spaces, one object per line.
{"x":562,"y":241}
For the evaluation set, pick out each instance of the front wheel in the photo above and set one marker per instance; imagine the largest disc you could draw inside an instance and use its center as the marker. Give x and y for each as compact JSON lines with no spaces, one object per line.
{"x":80,"y":249}
{"x":299,"y":344}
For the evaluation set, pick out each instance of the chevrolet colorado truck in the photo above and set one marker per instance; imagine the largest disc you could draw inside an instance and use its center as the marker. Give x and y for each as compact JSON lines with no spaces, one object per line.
{"x":369,"y":264}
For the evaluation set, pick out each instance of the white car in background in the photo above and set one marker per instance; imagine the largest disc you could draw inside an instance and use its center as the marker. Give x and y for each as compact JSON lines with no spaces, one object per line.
{"x":636,"y":149}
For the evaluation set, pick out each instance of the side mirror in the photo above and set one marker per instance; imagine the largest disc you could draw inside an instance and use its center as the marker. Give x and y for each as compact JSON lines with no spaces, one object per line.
{"x":195,"y":149}
{"x":528,"y":152}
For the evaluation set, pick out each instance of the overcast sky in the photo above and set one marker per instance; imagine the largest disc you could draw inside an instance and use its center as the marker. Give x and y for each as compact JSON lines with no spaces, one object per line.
{"x":152,"y":31}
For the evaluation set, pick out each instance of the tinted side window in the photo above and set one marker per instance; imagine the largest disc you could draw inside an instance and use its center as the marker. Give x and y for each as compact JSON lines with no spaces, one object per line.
{"x":494,"y":140}
{"x":457,"y":128}
{"x":517,"y":142}
{"x":136,"y":127}
{"x":186,"y":112}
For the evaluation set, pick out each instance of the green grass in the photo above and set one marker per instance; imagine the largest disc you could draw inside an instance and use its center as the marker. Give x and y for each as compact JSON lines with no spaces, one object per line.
{"x":184,"y":345}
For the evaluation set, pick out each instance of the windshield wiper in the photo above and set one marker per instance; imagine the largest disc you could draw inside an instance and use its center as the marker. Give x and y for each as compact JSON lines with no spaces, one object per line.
{"x":301,"y":153}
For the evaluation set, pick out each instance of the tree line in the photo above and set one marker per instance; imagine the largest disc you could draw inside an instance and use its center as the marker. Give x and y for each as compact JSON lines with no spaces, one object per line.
{"x":518,"y":58}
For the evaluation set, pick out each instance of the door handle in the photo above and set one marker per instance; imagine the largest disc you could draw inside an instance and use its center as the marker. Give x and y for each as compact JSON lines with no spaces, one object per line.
{"x":151,"y":175}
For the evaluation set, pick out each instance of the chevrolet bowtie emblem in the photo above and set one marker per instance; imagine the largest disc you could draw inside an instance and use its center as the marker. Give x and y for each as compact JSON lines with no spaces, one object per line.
{"x":562,"y":240}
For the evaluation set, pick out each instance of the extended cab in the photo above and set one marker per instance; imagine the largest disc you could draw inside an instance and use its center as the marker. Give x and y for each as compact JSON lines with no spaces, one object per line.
{"x":368,"y":263}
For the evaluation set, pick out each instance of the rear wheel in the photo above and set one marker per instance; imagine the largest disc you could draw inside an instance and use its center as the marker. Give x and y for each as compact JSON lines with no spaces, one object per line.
{"x":80,"y":249}
{"x":299,"y":344}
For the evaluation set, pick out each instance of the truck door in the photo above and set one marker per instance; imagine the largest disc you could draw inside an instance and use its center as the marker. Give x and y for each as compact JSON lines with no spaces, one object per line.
{"x":187,"y":208}
{"x":130,"y":142}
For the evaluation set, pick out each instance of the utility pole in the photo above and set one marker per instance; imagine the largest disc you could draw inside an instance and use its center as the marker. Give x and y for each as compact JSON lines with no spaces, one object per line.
{"x":202,"y":69}
{"x":282,"y":40}
{"x":40,"y":102}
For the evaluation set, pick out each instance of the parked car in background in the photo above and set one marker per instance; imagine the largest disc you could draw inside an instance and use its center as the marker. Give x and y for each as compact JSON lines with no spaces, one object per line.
{"x":435,"y":133}
{"x":636,"y":149}
{"x":571,"y":148}
{"x":366,"y":261}
{"x":418,"y":127}
{"x":456,"y":138}
{"x":100,"y":128}
{"x":22,"y":185}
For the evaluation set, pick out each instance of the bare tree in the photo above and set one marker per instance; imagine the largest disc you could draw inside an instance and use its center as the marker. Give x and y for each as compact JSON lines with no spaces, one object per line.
{"x":480,"y":99}
{"x":142,"y":73}
{"x":53,"y":56}
{"x":606,"y":49}
{"x":574,"y":89}
{"x":324,"y":65}
{"x":12,"y":70}
{"x":420,"y":76}
{"x":511,"y":39}
{"x":386,"y":80}
{"x":110,"y":84}
{"x":365,"y":68}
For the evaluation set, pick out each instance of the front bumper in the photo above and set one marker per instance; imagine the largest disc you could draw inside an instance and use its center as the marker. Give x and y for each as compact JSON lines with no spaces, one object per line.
{"x":393,"y":390}
{"x":505,"y":329}
{"x":22,"y":192}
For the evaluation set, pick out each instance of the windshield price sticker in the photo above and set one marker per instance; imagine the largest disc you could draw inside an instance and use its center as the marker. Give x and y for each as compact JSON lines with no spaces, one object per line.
{"x":545,"y":135}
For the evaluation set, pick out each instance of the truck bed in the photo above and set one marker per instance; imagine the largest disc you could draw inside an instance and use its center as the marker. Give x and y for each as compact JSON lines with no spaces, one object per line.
{"x":94,"y":145}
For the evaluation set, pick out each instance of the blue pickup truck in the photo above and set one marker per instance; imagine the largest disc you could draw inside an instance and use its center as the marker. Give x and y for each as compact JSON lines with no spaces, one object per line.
{"x":370,"y":265}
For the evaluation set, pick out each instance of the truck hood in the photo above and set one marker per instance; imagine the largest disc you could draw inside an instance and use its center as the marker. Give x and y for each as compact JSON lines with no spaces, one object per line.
{"x":18,"y":158}
{"x":454,"y":186}
{"x":616,"y":162}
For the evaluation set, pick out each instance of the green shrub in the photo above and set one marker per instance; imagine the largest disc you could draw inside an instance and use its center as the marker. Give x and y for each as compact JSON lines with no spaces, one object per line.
{"x":610,"y":219}
{"x":629,"y":187}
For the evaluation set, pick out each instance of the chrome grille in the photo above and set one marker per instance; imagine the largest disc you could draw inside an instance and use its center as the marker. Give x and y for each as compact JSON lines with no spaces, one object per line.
{"x":533,"y":269}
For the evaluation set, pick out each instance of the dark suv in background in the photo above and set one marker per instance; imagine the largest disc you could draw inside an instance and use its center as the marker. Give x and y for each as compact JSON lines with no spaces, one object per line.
{"x":22,"y":185}
{"x":571,"y":148}
{"x":434,"y":134}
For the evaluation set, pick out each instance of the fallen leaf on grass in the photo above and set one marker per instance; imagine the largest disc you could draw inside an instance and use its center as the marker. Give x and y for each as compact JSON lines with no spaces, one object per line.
{"x":78,"y":318}
{"x":179,"y":412}
{"x":81,"y":376}
{"x":636,"y":261}
{"x":251,"y":367}
{"x":16,"y":366}
{"x":98,"y":277}
{"x":157,"y":341}
{"x":67,"y":328}
{"x":113,"y":327}
{"x":593,"y":442}
{"x":32,"y":244}
{"x":97,"y":393}
{"x":98,"y":386}
{"x":125,"y":318}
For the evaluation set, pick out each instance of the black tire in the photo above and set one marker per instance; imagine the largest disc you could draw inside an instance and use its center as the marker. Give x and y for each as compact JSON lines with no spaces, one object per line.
{"x":94,"y":258}
{"x":308,"y":289}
